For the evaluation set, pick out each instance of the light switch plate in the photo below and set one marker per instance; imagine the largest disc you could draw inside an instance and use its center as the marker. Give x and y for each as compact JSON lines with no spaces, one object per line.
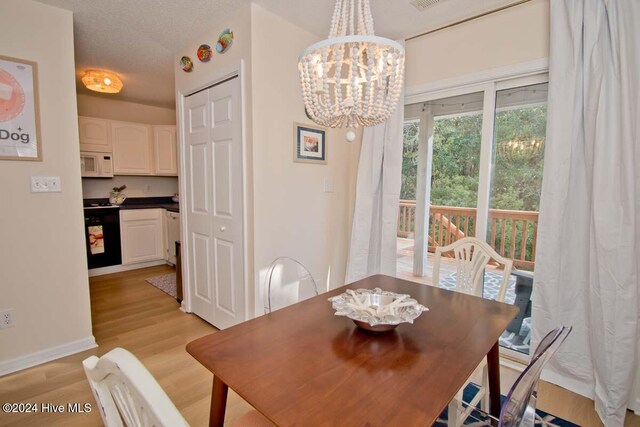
{"x":45,"y":184}
{"x":328,"y":185}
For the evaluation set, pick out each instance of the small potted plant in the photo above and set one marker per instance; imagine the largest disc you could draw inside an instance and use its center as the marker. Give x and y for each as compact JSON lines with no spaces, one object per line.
{"x":116,"y":196}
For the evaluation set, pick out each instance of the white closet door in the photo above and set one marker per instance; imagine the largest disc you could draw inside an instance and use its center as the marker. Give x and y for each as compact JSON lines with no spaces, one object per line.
{"x":214,"y":198}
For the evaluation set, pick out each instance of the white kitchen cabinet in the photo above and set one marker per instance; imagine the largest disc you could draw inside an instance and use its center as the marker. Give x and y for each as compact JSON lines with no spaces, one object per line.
{"x":132,"y":148}
{"x":142,"y":235}
{"x":94,"y":135}
{"x":165,"y":150}
{"x":172,"y":233}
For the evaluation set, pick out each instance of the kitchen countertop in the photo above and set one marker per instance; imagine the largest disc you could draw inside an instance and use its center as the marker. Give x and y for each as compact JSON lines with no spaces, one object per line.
{"x":141,"y":203}
{"x":171,"y":207}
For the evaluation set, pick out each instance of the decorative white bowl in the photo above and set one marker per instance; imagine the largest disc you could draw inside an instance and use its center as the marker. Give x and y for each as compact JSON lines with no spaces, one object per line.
{"x":377,"y":310}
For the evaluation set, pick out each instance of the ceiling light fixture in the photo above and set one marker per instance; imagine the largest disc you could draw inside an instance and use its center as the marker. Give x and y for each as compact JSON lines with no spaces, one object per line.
{"x":102,"y":81}
{"x":353,"y":77}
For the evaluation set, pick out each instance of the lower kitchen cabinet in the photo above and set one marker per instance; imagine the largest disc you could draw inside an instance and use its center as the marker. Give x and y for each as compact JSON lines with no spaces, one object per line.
{"x":142,"y":235}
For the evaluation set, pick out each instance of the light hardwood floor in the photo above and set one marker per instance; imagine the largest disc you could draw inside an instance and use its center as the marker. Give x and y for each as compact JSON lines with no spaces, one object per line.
{"x":128,"y":312}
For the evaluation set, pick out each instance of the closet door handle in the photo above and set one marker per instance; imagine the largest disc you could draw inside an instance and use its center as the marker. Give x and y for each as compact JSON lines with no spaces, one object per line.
{"x":223,"y":228}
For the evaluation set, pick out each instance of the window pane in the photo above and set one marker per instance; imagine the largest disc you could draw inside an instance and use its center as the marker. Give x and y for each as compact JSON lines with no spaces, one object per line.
{"x":455,"y":126}
{"x":516,"y":182}
{"x":457,"y":133}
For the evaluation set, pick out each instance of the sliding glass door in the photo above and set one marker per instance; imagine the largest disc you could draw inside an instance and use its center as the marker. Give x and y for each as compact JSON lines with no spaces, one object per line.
{"x":472,"y":166}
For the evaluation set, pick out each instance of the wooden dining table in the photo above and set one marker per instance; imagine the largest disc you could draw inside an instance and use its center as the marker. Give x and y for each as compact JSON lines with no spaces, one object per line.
{"x":302,"y":365}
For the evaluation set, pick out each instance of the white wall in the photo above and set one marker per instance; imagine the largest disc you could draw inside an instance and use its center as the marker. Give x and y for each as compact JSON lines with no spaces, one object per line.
{"x":43,"y":267}
{"x":93,"y":106}
{"x":203,"y":75}
{"x":515,"y":35}
{"x":287,"y":209}
{"x":137,"y":186}
{"x":293,"y":215}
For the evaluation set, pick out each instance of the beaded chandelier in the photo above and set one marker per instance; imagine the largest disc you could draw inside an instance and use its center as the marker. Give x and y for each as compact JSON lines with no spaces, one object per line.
{"x":353,"y":77}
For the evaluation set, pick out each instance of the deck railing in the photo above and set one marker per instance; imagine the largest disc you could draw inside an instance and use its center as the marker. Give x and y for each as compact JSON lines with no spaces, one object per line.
{"x":511,"y":233}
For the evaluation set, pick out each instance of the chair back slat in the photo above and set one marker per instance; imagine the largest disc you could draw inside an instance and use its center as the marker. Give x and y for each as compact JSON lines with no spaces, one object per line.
{"x":471,"y":257}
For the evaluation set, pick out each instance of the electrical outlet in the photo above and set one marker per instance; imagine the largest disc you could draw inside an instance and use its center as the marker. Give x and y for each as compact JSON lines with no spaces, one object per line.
{"x":7,"y":318}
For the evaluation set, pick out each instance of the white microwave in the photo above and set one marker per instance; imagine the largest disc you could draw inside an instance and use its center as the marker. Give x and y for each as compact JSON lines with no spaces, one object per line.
{"x":96,"y":165}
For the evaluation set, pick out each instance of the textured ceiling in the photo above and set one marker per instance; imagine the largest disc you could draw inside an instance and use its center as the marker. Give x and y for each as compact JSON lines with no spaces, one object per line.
{"x":395,"y":19}
{"x":138,"y":38}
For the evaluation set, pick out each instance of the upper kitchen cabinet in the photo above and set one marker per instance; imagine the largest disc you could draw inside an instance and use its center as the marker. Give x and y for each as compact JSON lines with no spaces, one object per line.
{"x":132,"y":149}
{"x":94,"y":135}
{"x":165,"y":150}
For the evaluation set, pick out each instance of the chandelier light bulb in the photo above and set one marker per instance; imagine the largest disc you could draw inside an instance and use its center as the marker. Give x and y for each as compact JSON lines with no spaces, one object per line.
{"x":353,"y":78}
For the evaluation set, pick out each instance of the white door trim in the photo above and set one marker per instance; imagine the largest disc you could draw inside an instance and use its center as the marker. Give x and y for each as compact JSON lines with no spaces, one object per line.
{"x":237,"y":69}
{"x":486,"y":154}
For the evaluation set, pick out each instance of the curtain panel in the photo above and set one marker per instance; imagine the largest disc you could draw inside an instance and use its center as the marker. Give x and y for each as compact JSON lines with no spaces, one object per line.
{"x":374,"y":230}
{"x":588,"y":251}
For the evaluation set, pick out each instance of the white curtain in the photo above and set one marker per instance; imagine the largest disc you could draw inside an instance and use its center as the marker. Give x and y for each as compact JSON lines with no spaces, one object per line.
{"x":588,"y":256}
{"x":373,"y":232}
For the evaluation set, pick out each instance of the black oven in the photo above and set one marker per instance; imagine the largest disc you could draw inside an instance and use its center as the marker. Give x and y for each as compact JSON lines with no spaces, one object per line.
{"x":102,"y":236}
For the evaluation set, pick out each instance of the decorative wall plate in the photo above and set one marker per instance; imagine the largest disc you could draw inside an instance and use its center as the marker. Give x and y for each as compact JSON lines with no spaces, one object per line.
{"x":224,"y":41}
{"x":204,"y":53}
{"x":186,"y":64}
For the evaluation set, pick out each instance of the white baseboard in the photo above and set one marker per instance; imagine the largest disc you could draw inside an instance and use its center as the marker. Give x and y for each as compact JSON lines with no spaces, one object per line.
{"x":46,"y":355}
{"x":120,"y":268}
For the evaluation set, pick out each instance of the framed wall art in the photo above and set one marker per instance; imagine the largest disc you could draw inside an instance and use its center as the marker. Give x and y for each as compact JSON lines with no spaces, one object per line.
{"x":309,"y":144}
{"x":19,"y":114}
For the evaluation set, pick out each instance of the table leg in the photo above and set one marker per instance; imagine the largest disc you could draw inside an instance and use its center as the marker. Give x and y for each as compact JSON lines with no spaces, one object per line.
{"x":493,"y":364}
{"x":218,"y":403}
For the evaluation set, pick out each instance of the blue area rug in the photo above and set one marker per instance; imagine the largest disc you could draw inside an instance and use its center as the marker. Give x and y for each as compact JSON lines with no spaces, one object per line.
{"x":542,"y":418}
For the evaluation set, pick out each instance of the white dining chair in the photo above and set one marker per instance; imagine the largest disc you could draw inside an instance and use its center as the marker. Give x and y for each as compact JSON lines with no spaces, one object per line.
{"x":471,"y":256}
{"x":127,"y":394}
{"x":287,"y":281}
{"x":519,"y":407}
